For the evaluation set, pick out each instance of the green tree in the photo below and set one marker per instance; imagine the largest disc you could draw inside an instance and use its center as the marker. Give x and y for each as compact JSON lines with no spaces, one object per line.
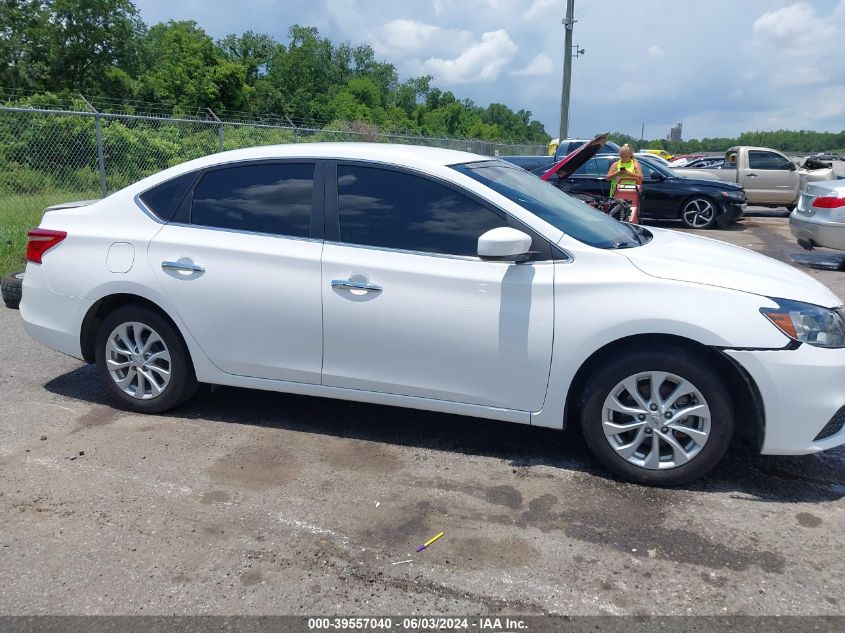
{"x":88,"y":37}
{"x":24,"y":49}
{"x":185,"y":68}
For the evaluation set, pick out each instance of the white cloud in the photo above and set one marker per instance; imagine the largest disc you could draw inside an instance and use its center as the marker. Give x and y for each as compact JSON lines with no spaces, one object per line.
{"x":541,"y":9}
{"x":540,"y":65}
{"x":483,"y":61}
{"x":797,"y":38}
{"x":655,"y":52}
{"x":411,"y":36}
{"x":795,"y":28}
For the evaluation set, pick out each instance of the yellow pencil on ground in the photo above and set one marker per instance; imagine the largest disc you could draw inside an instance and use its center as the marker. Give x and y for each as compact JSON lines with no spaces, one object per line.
{"x":429,"y":541}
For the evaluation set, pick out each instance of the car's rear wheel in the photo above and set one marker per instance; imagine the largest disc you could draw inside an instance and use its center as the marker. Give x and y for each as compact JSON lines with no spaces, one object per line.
{"x":143,"y":361}
{"x":11,"y":287}
{"x":657,"y":416}
{"x":699,"y":213}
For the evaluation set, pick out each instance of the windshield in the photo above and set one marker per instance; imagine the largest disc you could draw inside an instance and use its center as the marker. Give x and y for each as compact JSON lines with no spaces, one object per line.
{"x":570,"y":215}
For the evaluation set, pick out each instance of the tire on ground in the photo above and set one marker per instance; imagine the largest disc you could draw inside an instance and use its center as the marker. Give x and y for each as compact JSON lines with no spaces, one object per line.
{"x":662,"y":358}
{"x":182,"y":383}
{"x":12,"y":289}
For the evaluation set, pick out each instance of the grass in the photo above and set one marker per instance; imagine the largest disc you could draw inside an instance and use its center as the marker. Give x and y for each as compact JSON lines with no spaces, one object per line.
{"x":19,"y":214}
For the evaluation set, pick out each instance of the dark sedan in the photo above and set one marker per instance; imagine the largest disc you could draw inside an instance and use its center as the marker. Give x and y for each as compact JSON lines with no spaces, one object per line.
{"x":699,"y":204}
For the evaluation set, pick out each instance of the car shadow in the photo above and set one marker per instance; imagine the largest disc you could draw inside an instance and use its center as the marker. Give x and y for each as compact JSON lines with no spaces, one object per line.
{"x":808,"y":479}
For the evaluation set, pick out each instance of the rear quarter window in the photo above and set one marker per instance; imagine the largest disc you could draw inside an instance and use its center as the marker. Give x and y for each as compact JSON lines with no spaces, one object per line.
{"x":164,"y":199}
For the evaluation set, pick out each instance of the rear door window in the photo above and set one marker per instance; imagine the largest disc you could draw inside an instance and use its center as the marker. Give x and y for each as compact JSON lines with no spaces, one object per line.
{"x":274,"y":198}
{"x":588,"y":169}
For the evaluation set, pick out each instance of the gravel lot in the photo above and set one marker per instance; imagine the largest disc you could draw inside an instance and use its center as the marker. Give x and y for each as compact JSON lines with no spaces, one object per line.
{"x":256,"y":503}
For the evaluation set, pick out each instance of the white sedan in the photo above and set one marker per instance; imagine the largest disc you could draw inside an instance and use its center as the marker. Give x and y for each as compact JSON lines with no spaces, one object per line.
{"x":439,"y":280}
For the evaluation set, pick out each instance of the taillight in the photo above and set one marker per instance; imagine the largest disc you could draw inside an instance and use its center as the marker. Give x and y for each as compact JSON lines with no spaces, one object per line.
{"x":39,"y":241}
{"x":827,"y":202}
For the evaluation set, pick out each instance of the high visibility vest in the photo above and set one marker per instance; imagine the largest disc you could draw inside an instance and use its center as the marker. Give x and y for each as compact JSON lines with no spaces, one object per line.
{"x":629,"y":166}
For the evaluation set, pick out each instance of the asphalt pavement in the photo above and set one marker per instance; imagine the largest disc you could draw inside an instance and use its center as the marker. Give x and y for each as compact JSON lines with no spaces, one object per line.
{"x":245,"y":502}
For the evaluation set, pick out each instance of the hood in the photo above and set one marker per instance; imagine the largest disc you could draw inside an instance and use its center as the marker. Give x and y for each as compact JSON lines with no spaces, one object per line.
{"x":701,"y":260}
{"x":567,"y":165}
{"x":714,"y":183}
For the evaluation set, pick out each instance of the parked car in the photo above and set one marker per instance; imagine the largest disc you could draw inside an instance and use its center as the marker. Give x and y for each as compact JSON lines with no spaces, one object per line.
{"x":679,"y":170}
{"x":709,"y":162}
{"x":658,"y":159}
{"x":571,"y":144}
{"x":770,"y":179}
{"x":828,"y":156}
{"x":667,"y":195}
{"x":659,"y":152}
{"x":819,"y":218}
{"x":440,"y":280}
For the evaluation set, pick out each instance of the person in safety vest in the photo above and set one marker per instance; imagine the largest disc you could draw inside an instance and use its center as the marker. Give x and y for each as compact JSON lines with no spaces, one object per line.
{"x":626,"y":178}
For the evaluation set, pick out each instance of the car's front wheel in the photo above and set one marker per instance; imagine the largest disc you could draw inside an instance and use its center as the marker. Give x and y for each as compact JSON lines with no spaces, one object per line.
{"x":658,"y":416}
{"x":699,"y":213}
{"x":143,"y":360}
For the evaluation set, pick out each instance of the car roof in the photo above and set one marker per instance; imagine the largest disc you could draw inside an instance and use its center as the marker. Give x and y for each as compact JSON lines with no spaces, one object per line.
{"x":409,"y":155}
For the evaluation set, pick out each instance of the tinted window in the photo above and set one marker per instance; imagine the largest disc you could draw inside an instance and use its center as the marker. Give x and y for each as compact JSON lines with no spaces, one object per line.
{"x":391,"y":209}
{"x":766,"y":160}
{"x":588,"y":169}
{"x":164,"y":199}
{"x":266,"y":198}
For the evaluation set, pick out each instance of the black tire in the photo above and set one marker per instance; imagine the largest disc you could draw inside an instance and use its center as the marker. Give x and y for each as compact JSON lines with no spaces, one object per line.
{"x":688,"y":206}
{"x":683,"y":364}
{"x":182,"y":380}
{"x":12,"y":289}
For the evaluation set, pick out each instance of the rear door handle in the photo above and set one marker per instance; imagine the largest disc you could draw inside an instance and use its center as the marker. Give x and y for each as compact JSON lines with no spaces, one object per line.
{"x":194,"y":268}
{"x":752,"y":175}
{"x":346,"y":284}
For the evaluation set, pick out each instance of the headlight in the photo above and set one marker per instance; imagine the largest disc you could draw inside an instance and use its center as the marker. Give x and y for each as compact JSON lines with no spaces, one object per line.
{"x":734,"y":195}
{"x":808,"y":323}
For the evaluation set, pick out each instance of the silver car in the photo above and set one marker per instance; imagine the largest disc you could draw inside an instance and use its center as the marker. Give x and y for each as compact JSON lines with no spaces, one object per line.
{"x":819,"y":218}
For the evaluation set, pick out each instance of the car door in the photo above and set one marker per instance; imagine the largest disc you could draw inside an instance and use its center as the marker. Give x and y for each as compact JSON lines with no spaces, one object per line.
{"x":770,"y":178}
{"x":241,"y":266}
{"x":660,"y":198}
{"x":588,"y":178}
{"x":408,"y":307}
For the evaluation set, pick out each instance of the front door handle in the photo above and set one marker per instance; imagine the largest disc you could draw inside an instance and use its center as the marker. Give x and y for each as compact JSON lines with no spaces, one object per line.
{"x":193,"y":268}
{"x":346,"y":284}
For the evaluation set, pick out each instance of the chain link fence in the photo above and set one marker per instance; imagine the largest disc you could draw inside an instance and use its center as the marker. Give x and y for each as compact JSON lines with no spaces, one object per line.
{"x":49,"y":156}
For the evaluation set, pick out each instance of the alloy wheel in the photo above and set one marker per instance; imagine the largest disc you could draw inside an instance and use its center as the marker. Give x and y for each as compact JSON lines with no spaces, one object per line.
{"x":656,"y":420}
{"x":138,"y":360}
{"x":699,"y":213}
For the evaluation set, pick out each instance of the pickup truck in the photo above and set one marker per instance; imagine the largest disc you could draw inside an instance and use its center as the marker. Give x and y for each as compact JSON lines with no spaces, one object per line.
{"x":770,"y":179}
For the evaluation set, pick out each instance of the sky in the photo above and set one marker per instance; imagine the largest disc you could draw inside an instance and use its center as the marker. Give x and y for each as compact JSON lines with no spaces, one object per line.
{"x":720,"y":66}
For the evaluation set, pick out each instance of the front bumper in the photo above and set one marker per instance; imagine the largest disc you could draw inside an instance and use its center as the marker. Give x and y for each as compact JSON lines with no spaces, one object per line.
{"x":731,"y":212}
{"x":801,"y":390}
{"x":817,"y":230}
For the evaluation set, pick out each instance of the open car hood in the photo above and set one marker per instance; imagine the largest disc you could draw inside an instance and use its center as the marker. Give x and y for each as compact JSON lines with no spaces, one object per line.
{"x":567,"y":165}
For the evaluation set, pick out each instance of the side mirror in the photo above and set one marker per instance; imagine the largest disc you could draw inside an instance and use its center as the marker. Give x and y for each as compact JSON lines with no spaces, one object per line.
{"x":504,"y":245}
{"x":792,"y":166}
{"x":657,"y":176}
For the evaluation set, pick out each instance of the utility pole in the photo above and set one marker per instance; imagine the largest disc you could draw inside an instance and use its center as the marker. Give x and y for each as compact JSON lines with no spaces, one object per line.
{"x":568,"y":24}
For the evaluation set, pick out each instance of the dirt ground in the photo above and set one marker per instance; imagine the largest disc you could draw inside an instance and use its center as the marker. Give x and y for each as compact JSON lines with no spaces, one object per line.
{"x":245,"y":502}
